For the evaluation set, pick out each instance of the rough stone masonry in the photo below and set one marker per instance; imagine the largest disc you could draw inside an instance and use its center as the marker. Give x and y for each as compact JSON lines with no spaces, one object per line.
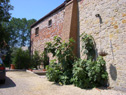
{"x":111,"y":36}
{"x":74,"y":17}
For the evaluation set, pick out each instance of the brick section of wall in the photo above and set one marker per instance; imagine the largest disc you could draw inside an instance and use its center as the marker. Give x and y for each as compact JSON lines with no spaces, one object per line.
{"x":70,"y":23}
{"x":112,"y":34}
{"x":47,"y":33}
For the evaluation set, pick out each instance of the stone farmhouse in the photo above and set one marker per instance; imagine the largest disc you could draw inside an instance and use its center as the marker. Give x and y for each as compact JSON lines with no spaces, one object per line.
{"x":105,"y":20}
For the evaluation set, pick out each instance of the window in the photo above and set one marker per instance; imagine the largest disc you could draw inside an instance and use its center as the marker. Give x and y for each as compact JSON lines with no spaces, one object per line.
{"x":37,"y":31}
{"x":50,"y":23}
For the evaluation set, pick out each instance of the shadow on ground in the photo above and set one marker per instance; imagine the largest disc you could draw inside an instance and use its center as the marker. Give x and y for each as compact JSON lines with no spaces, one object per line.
{"x":9,"y":83}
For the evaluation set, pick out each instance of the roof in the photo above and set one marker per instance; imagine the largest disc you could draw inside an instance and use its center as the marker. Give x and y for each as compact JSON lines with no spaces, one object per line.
{"x":53,"y":11}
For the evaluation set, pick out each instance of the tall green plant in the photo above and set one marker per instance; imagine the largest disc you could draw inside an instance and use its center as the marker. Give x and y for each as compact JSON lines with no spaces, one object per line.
{"x":88,"y":46}
{"x":63,"y":51}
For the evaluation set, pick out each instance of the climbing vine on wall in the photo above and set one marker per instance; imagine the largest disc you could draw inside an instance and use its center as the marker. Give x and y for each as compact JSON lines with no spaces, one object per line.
{"x":88,"y":45}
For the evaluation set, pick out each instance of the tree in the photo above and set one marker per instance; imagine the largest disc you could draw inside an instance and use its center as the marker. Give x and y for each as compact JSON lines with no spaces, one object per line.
{"x":4,"y":17}
{"x":20,"y":32}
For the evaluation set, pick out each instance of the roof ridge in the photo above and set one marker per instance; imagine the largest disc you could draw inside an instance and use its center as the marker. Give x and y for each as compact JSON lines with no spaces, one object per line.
{"x":53,"y":11}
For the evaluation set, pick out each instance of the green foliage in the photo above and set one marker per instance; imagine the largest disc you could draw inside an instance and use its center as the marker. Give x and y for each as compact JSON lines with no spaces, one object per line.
{"x":88,"y":73}
{"x":7,"y":60}
{"x":54,"y":71}
{"x":21,"y":59}
{"x":64,"y":54}
{"x":20,"y":31}
{"x":88,"y":45}
{"x":4,"y":10}
{"x":36,"y":59}
{"x":45,"y":58}
{"x":4,"y":18}
{"x":82,"y":73}
{"x":62,"y":51}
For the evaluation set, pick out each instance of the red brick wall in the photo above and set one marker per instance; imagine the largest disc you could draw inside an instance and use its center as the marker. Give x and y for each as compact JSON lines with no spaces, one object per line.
{"x":47,"y":33}
{"x":70,"y":27}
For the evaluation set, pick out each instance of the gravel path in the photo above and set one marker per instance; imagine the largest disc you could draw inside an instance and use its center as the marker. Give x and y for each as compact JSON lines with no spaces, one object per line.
{"x":24,"y":83}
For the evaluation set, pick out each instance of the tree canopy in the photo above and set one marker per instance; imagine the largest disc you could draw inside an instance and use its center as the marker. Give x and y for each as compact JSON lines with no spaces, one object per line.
{"x":14,"y":32}
{"x":4,"y":17}
{"x":20,"y":31}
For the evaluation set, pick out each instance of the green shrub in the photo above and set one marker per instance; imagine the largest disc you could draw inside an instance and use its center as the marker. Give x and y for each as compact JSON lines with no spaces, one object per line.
{"x":88,"y":73}
{"x":45,"y":58}
{"x":54,"y":71}
{"x":21,"y":59}
{"x":36,"y":59}
{"x":64,"y":55}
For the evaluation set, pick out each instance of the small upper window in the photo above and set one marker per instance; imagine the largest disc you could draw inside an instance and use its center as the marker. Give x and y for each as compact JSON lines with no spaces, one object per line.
{"x":50,"y":23}
{"x":37,"y":31}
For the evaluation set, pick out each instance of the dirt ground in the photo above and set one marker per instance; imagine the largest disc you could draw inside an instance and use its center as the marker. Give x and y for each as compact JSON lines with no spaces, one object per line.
{"x":25,"y":83}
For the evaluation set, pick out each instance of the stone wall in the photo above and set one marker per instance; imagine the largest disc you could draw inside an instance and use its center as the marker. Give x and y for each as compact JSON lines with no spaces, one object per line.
{"x":111,"y":36}
{"x":47,"y":33}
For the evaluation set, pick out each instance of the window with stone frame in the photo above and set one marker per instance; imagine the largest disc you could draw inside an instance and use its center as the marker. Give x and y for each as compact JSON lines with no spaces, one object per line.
{"x":37,"y":31}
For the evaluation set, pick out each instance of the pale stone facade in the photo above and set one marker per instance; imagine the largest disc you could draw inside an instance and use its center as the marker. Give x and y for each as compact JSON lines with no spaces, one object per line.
{"x":111,"y":37}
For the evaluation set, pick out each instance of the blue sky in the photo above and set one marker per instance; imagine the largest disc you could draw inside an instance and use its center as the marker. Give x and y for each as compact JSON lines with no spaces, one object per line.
{"x":33,"y":9}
